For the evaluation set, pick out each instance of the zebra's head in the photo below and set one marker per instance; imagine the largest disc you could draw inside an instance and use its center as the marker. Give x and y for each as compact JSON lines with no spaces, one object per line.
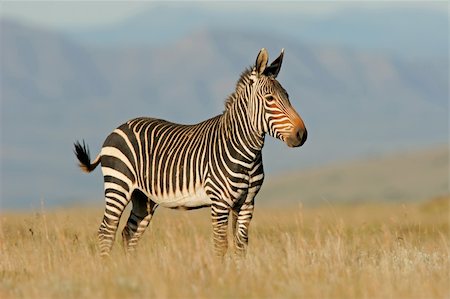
{"x":269,"y":105}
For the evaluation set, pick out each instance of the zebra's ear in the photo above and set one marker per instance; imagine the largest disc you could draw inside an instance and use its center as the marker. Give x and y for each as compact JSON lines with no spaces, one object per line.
{"x":261,"y":61}
{"x":274,"y":68}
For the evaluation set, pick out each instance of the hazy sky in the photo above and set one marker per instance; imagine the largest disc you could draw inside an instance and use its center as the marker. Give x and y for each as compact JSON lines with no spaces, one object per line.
{"x":83,"y":14}
{"x":71,"y":14}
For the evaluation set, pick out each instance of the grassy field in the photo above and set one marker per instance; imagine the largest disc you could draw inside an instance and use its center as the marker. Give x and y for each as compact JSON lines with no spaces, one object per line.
{"x":335,"y":251}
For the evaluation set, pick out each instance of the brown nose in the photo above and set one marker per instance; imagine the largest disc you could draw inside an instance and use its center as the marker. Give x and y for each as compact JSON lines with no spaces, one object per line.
{"x":298,"y":138}
{"x":302,"y":136}
{"x":298,"y":134}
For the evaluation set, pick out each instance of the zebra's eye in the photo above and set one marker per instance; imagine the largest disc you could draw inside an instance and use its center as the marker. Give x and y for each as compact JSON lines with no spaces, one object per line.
{"x":269,"y":97}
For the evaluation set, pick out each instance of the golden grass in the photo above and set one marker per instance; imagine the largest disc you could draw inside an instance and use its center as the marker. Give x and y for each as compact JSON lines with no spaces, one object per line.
{"x":360,"y":251}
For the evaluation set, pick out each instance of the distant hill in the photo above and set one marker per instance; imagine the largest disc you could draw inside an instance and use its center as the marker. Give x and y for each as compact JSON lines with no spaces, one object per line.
{"x":391,"y":26}
{"x":405,"y":176}
{"x":55,"y":90}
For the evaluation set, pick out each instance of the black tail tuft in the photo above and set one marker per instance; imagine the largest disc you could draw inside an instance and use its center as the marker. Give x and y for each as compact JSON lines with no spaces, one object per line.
{"x":82,"y":153}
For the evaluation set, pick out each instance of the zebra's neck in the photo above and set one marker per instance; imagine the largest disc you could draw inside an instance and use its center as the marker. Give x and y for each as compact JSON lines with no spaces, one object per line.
{"x":238,"y":128}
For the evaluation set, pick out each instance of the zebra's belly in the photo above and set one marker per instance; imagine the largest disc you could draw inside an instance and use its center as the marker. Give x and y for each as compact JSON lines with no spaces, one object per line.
{"x":187,"y":200}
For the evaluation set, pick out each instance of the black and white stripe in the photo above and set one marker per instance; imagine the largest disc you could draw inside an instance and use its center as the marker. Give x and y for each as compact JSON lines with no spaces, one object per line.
{"x":216,"y":163}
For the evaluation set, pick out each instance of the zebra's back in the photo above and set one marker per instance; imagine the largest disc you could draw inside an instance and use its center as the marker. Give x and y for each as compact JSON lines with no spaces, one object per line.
{"x":166,"y":161}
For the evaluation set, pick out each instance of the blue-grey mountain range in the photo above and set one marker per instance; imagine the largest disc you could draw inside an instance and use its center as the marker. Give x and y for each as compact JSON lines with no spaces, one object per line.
{"x":57,"y":87}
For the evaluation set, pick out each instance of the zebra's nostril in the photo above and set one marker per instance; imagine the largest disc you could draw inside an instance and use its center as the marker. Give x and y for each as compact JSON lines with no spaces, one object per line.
{"x":300,"y":136}
{"x":305,"y":136}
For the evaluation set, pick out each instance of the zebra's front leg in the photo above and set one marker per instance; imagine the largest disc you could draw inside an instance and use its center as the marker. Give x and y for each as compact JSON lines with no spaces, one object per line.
{"x":219,"y":216}
{"x":241,"y":223}
{"x":140,"y":217}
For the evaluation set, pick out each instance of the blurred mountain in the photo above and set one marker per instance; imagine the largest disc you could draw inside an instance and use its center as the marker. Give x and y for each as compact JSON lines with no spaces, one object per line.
{"x":55,"y":90}
{"x":405,"y":176}
{"x":392,"y":27}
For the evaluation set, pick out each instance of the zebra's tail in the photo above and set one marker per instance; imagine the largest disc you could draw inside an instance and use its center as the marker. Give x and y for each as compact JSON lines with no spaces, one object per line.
{"x":82,"y":153}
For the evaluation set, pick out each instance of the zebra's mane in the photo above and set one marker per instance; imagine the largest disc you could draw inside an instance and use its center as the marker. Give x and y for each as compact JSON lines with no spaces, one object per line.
{"x":243,"y":81}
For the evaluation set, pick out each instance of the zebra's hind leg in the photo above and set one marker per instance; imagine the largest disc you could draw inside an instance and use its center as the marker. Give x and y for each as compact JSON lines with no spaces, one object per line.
{"x":219,"y":216}
{"x":115,"y":205}
{"x":140,"y":217}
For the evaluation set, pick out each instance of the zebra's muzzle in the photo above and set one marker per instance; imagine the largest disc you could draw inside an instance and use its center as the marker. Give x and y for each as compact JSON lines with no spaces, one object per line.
{"x":298,"y":138}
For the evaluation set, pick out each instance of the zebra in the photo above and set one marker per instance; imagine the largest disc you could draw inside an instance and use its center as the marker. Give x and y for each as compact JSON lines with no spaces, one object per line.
{"x":216,"y":163}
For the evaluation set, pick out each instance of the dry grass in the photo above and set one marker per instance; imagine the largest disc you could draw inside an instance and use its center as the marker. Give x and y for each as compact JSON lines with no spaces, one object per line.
{"x":363,"y":251}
